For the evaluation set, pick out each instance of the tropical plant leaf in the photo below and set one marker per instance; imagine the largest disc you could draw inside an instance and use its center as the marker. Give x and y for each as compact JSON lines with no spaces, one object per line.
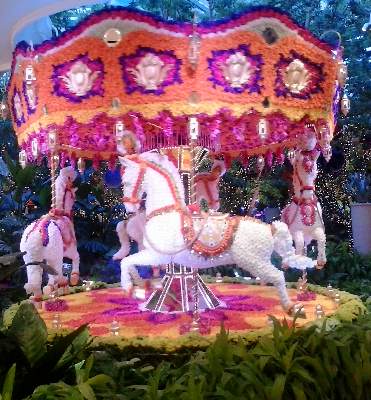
{"x":7,"y":391}
{"x":86,"y":390}
{"x":56,"y":391}
{"x":29,"y":330}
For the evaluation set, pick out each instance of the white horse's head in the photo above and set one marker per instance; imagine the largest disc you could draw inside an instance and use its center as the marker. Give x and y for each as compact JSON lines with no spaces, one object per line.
{"x":65,"y":192}
{"x":150,"y":172}
{"x":308,"y":140}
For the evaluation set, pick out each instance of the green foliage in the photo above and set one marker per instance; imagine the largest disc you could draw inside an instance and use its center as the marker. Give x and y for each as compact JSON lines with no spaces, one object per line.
{"x":24,"y":342}
{"x":87,"y":388}
{"x":313,"y":363}
{"x":29,"y":330}
{"x":7,"y":391}
{"x":323,"y":362}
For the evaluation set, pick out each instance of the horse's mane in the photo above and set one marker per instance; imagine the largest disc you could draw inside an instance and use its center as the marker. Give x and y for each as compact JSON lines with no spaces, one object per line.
{"x":163,"y":161}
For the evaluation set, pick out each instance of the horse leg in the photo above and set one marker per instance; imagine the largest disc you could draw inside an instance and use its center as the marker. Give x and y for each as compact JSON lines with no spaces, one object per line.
{"x":298,"y":237}
{"x":251,"y":250}
{"x":34,"y":281}
{"x":75,"y":273}
{"x":124,"y":241}
{"x":320,"y":236}
{"x":144,"y":257}
{"x":34,"y":272}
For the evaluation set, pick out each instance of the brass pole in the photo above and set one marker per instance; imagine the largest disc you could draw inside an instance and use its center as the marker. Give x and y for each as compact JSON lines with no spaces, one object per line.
{"x":193,"y":134}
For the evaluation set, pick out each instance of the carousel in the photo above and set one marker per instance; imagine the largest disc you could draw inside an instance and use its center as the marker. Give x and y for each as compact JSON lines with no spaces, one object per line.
{"x":158,"y":98}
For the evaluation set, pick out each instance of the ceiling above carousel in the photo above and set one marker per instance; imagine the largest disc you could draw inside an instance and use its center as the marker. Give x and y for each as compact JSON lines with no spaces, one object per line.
{"x":253,"y":82}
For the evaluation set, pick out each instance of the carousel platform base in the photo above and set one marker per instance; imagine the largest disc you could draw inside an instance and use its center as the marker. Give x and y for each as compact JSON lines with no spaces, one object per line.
{"x":117,"y":317}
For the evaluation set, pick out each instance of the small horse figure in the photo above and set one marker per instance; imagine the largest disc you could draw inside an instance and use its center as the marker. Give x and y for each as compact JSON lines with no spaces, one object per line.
{"x":171,"y":234}
{"x":51,"y":238}
{"x":207,"y":184}
{"x":304,"y":214}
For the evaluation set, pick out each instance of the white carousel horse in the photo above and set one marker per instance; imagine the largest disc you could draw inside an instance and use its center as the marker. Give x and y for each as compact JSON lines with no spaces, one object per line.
{"x":207,"y":184}
{"x":304,"y":214}
{"x":51,"y":238}
{"x":207,"y":188}
{"x":172,"y":235}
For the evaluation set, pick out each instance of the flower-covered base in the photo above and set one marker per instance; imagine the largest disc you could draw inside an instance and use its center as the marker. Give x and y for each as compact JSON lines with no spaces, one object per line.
{"x":245,"y":315}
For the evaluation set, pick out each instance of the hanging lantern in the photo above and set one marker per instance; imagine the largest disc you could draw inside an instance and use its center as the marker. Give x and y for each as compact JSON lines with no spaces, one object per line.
{"x":22,"y":158}
{"x":55,"y":160}
{"x":263,"y":129}
{"x":324,"y":141}
{"x":260,"y":162}
{"x":193,"y":128}
{"x":81,"y":165}
{"x":35,"y":147}
{"x":119,"y":128}
{"x":4,"y":109}
{"x":345,"y":105}
{"x":29,"y":74}
{"x":52,"y":140}
{"x":291,"y":155}
{"x":342,"y":73}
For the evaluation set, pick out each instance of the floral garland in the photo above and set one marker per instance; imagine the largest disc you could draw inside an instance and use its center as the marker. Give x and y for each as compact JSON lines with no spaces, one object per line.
{"x":94,"y":139}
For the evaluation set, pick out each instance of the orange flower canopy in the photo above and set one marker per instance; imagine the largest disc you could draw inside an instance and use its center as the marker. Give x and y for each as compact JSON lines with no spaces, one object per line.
{"x":253,"y":82}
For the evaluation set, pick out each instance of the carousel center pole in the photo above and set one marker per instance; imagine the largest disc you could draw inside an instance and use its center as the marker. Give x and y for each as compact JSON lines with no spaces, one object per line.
{"x":54,"y":160}
{"x":193,"y":134}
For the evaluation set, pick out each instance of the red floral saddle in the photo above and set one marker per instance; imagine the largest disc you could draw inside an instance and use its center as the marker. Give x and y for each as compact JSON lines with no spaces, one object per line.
{"x":212,"y":235}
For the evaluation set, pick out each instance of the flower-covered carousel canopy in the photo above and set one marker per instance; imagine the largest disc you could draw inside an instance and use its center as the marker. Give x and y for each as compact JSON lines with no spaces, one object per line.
{"x":253,"y":82}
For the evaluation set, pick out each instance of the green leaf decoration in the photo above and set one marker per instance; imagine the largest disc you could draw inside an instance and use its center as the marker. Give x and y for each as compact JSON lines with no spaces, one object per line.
{"x":8,"y":384}
{"x":86,"y":390}
{"x":29,"y":330}
{"x":64,"y":351}
{"x":56,"y":391}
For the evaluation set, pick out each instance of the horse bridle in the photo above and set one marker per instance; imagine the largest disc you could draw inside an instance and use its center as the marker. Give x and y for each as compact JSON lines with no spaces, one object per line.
{"x":134,"y":198}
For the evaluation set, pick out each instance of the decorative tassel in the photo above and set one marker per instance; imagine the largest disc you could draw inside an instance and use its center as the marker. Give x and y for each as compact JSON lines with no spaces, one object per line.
{"x":96,"y":162}
{"x":279,"y":157}
{"x":269,"y":159}
{"x":112,"y":163}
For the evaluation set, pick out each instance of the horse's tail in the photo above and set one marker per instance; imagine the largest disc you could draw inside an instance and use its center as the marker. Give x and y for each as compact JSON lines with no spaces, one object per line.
{"x":283,"y":245}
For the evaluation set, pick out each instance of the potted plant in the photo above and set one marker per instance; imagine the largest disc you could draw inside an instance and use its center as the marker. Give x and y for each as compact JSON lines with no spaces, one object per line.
{"x":360,"y":189}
